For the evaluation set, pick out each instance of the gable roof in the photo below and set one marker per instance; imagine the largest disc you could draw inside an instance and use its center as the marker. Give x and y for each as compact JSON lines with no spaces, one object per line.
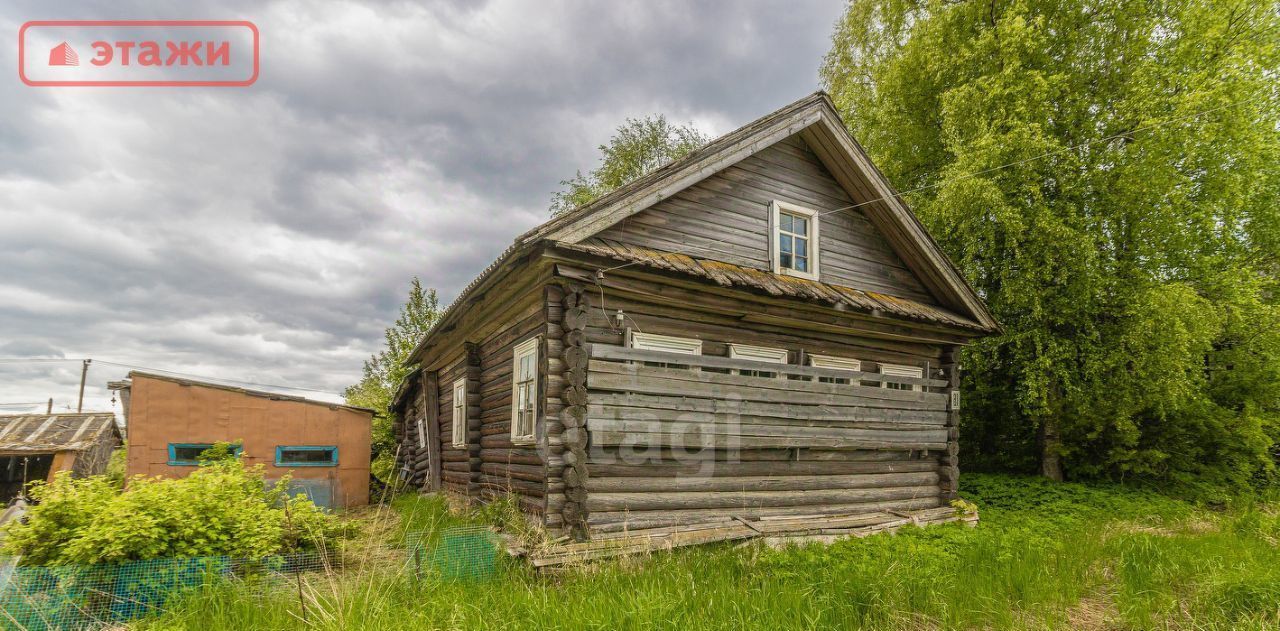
{"x":815,"y":119}
{"x":43,"y":433}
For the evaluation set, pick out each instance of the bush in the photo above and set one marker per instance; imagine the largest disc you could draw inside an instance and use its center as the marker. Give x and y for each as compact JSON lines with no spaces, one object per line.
{"x":222,"y":508}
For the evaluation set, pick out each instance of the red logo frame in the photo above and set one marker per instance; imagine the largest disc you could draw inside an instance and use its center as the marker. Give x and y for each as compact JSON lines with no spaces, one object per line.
{"x":22,"y":53}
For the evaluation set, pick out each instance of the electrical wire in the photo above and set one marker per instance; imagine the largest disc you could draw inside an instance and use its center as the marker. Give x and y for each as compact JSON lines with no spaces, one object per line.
{"x":14,"y":360}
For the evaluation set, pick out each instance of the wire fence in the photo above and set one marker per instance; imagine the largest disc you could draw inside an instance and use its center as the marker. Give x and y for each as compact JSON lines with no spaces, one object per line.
{"x":57,"y":598}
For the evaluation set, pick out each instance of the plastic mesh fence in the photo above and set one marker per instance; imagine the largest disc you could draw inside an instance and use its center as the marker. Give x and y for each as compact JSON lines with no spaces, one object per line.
{"x":39,"y":598}
{"x":466,"y":553}
{"x":87,"y":596}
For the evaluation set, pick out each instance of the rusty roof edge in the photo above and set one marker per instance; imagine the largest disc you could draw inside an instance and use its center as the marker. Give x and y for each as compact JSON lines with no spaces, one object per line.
{"x":254,"y":393}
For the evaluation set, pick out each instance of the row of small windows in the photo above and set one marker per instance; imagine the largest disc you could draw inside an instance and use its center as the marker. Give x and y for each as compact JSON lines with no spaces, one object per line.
{"x":690,"y":346}
{"x":524,"y":377}
{"x":190,"y":454}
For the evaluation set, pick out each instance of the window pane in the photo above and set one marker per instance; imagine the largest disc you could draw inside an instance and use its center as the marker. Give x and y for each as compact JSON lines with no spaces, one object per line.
{"x":802,"y":264}
{"x":307,"y":456}
{"x":785,"y":261}
{"x":784,"y":243}
{"x":786,"y":222}
{"x":802,"y":247}
{"x":189,"y":453}
{"x":800,"y":225}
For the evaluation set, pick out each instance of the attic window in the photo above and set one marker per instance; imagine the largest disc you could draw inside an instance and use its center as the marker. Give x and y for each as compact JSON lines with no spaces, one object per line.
{"x":794,"y":246}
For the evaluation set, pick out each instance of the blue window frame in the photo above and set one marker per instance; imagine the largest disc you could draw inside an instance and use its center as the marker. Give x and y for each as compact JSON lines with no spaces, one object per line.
{"x":306,"y":456}
{"x":188,"y":454}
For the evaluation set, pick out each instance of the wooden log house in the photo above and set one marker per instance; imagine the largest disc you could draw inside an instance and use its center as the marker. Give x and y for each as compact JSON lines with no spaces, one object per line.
{"x":760,"y":329}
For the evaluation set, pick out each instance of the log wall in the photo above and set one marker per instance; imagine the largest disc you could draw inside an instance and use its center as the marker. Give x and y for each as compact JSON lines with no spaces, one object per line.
{"x":461,"y":466}
{"x":690,"y":443}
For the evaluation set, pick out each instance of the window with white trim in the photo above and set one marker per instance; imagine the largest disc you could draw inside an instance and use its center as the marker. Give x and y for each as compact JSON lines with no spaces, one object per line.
{"x":524,"y":391}
{"x":901,"y":371}
{"x":759,"y":354}
{"x":460,"y":413}
{"x":794,"y":240}
{"x":664,"y":343}
{"x":838,"y":363}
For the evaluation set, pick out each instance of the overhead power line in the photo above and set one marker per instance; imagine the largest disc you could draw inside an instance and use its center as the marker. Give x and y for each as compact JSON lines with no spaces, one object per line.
{"x":18,"y":360}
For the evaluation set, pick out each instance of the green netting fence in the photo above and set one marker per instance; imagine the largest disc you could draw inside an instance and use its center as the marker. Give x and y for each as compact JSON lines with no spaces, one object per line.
{"x":39,"y":598}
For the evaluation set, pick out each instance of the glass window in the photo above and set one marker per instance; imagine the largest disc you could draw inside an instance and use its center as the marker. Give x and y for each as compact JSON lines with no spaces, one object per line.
{"x":524,"y":391}
{"x":796,"y":236}
{"x":665,"y":344}
{"x":460,"y":413}
{"x":306,"y":456}
{"x":760,"y":354}
{"x":838,"y":363}
{"x":900,"y":371}
{"x":188,"y":454}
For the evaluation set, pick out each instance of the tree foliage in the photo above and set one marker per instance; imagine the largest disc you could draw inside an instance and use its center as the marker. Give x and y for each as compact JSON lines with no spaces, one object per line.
{"x":222,"y":508}
{"x":639,"y":146}
{"x":1106,"y":175}
{"x":384,"y":370}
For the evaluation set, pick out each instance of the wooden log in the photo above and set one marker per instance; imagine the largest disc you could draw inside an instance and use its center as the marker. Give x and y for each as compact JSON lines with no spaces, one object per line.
{"x":714,"y":469}
{"x":750,"y":499}
{"x":605,"y":521}
{"x":760,"y":483}
{"x":720,"y":441}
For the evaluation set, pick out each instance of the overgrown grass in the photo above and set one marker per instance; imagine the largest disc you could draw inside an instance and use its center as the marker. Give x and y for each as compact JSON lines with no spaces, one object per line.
{"x":1045,"y":556}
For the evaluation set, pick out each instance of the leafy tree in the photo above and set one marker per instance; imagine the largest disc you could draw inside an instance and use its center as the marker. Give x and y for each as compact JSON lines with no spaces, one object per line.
{"x":384,"y":371}
{"x":1106,"y":174}
{"x":639,"y":146}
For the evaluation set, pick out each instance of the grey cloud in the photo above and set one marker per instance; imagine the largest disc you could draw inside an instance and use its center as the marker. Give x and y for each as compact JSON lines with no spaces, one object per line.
{"x":269,"y":233}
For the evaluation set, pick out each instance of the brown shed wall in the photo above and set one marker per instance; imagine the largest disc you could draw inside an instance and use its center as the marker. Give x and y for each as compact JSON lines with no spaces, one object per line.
{"x":163,"y":412}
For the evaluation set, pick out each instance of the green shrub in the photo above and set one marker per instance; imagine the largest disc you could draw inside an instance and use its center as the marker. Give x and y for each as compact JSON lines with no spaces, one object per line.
{"x":222,"y":508}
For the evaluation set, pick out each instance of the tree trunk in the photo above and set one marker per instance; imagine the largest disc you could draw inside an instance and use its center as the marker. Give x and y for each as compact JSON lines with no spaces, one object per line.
{"x":1050,"y":457}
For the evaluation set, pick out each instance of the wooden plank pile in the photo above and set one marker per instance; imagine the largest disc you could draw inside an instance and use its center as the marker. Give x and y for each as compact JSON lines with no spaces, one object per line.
{"x":775,"y":531}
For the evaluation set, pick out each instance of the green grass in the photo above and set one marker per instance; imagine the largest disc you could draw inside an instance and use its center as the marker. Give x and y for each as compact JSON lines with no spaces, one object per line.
{"x":1045,"y":556}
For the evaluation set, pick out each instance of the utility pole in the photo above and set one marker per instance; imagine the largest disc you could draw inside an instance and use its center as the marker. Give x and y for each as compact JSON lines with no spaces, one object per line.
{"x":84,"y":372}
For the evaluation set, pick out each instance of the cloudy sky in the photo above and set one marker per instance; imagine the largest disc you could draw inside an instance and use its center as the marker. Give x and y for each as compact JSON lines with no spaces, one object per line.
{"x":268,"y":234}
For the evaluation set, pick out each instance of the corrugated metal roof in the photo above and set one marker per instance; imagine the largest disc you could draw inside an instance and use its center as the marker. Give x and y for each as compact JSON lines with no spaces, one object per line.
{"x":729,"y":275}
{"x":53,"y":432}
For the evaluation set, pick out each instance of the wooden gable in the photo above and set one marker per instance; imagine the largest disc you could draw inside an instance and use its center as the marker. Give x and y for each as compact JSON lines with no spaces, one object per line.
{"x":725,"y":217}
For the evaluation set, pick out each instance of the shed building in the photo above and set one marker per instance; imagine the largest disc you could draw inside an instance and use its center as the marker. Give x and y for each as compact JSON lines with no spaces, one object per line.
{"x":38,"y":446}
{"x":762,"y":328}
{"x":324,"y":446}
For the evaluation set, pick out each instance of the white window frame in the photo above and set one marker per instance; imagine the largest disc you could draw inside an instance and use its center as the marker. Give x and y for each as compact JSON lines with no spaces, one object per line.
{"x":527,"y":348}
{"x":776,"y":208}
{"x":664,"y":343}
{"x":460,"y":413}
{"x":897,"y":370}
{"x":759,"y":354}
{"x":836,"y":363}
{"x":422,"y":433}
